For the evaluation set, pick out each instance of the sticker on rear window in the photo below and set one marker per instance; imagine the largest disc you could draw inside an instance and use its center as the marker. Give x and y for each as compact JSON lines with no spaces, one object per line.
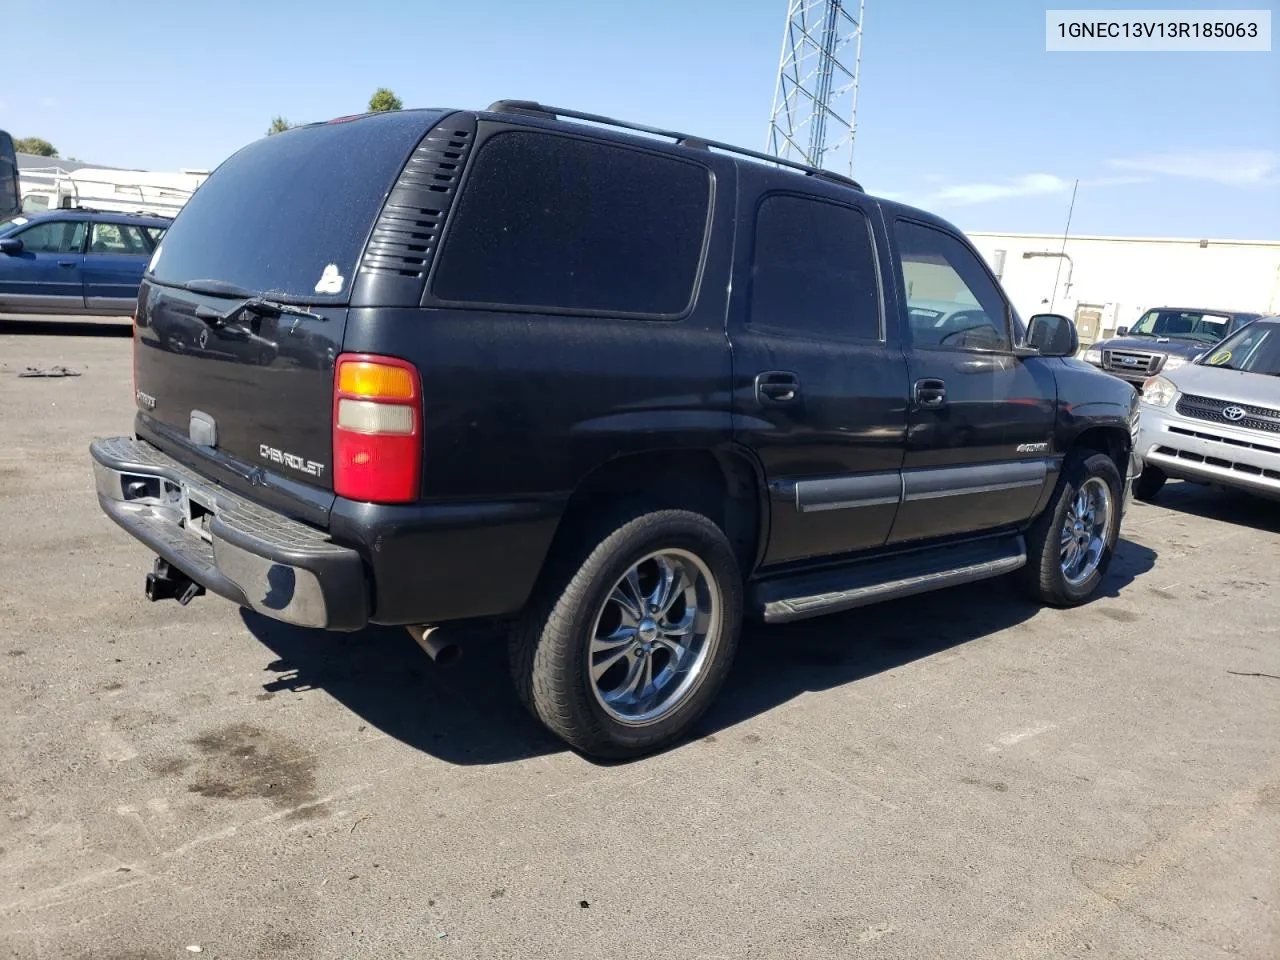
{"x":330,"y":281}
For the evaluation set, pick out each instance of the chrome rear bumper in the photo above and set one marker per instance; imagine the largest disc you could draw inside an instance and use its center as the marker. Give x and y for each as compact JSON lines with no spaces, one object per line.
{"x":251,"y":555}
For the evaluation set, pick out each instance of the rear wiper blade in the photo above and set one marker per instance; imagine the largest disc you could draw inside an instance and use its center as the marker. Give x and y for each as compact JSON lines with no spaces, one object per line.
{"x":254,"y":304}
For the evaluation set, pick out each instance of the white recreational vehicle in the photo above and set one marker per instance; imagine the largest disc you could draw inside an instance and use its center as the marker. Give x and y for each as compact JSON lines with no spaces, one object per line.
{"x":106,"y":189}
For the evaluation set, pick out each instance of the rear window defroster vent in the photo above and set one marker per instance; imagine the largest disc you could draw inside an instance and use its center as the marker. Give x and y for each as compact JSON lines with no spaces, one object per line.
{"x":407,"y":232}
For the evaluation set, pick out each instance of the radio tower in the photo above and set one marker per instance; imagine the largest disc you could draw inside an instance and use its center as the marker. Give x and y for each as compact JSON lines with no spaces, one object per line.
{"x":816,"y":100}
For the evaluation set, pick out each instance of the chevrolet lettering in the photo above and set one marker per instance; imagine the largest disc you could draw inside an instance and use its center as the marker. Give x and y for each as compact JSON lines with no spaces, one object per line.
{"x":291,"y":460}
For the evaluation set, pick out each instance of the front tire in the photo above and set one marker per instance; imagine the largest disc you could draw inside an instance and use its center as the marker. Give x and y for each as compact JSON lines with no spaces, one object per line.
{"x":1148,"y":483}
{"x":1070,"y":546}
{"x":628,"y":646}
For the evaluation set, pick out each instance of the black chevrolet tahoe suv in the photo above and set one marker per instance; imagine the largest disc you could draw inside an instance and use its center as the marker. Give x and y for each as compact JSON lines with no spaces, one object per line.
{"x":610,"y":388}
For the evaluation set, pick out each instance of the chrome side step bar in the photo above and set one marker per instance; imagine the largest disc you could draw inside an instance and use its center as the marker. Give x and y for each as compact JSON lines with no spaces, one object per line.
{"x":872,"y":581}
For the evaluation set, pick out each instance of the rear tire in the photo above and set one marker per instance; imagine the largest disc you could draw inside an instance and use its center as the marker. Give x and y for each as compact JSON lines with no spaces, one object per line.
{"x":1149,"y":482}
{"x":1070,"y":546}
{"x":613,"y":662}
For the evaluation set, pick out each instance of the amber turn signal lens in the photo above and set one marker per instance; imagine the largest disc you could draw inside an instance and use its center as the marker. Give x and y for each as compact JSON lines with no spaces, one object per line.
{"x":375,"y":380}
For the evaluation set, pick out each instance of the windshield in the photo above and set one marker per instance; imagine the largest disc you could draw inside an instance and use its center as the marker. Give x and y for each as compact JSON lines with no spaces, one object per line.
{"x":11,"y":224}
{"x":1255,"y":349}
{"x":288,"y":215}
{"x":1183,"y":324}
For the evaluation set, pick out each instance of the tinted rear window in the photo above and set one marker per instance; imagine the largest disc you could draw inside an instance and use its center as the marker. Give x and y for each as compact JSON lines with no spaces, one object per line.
{"x":291,"y":209}
{"x":556,"y":223}
{"x":814,"y":270}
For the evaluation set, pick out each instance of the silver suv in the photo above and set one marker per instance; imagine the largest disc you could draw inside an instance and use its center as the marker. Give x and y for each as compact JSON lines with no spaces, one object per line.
{"x":1217,"y":420}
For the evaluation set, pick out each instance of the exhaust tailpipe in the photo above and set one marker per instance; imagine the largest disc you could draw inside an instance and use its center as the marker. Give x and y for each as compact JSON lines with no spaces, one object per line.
{"x":443,"y":652}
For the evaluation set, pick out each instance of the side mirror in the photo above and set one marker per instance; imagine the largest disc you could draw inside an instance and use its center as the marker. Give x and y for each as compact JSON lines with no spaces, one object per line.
{"x":1053,"y":335}
{"x":10,"y":245}
{"x":1122,"y":331}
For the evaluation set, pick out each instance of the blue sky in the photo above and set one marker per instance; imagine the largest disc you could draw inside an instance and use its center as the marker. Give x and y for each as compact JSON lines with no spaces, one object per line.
{"x":961,"y":109}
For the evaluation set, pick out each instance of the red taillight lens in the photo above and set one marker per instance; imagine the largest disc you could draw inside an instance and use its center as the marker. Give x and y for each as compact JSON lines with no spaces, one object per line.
{"x":377,"y":429}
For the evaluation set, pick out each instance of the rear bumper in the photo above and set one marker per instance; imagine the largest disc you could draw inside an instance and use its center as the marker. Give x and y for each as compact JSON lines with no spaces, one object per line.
{"x":248,"y":554}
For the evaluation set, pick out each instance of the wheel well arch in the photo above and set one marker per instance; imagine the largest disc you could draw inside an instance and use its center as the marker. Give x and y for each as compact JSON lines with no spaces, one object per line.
{"x":725,"y":485}
{"x":1113,"y":441}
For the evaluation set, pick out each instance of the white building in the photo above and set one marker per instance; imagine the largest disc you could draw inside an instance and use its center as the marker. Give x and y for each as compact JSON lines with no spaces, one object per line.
{"x":1107,"y":282}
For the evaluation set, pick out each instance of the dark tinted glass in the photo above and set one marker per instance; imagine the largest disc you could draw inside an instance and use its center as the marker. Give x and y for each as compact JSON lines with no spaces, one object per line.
{"x":558,"y":223}
{"x":951,"y":300}
{"x":8,"y":176}
{"x":813,"y":270}
{"x":282,"y":212}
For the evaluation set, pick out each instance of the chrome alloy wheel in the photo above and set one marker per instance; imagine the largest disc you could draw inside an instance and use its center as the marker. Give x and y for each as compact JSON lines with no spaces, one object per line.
{"x":1086,"y":530}
{"x":655,"y":634}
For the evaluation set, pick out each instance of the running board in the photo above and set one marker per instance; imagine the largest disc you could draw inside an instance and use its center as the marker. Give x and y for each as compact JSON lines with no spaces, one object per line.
{"x":870,"y":581}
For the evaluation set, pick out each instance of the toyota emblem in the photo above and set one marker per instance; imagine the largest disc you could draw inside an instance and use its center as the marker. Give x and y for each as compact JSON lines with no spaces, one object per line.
{"x":1233,"y":413}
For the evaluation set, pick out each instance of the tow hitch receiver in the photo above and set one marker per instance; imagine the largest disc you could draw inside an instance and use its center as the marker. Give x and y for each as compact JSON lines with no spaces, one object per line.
{"x":168,"y":583}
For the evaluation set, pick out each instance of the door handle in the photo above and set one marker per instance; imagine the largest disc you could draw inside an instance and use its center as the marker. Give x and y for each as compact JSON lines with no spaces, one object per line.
{"x":66,"y":263}
{"x":930,"y":392}
{"x":777,"y":386}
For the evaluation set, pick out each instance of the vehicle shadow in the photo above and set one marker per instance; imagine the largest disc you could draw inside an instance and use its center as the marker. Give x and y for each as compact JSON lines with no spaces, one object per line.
{"x":1225,"y":505}
{"x":467,"y":714}
{"x":45,"y":327}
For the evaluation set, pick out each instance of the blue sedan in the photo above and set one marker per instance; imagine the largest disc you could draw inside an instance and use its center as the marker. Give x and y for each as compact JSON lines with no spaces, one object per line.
{"x":75,"y":261}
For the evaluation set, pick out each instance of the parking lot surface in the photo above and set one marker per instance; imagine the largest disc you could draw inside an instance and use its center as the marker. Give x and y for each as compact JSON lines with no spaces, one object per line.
{"x":960,"y":775}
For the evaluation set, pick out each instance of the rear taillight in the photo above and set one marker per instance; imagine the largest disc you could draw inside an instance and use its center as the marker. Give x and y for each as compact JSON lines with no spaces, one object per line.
{"x":377,"y":429}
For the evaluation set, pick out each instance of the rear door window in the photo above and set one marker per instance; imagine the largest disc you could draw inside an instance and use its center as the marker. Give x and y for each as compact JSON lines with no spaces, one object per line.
{"x":814,"y":271}
{"x":117,"y":238}
{"x":566,"y":225}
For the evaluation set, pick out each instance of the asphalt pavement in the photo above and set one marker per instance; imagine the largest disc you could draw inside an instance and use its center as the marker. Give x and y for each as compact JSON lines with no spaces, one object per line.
{"x":963,"y":775}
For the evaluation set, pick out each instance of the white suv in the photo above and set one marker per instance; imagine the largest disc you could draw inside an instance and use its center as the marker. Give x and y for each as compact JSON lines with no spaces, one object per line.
{"x":1216,"y":421}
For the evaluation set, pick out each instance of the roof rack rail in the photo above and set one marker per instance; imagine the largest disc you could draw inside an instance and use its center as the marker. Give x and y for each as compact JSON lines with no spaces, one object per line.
{"x":530,"y":108}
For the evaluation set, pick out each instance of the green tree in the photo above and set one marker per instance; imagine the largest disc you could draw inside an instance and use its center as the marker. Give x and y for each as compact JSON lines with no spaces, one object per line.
{"x":41,"y":148}
{"x":384,"y":100}
{"x":279,"y":125}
